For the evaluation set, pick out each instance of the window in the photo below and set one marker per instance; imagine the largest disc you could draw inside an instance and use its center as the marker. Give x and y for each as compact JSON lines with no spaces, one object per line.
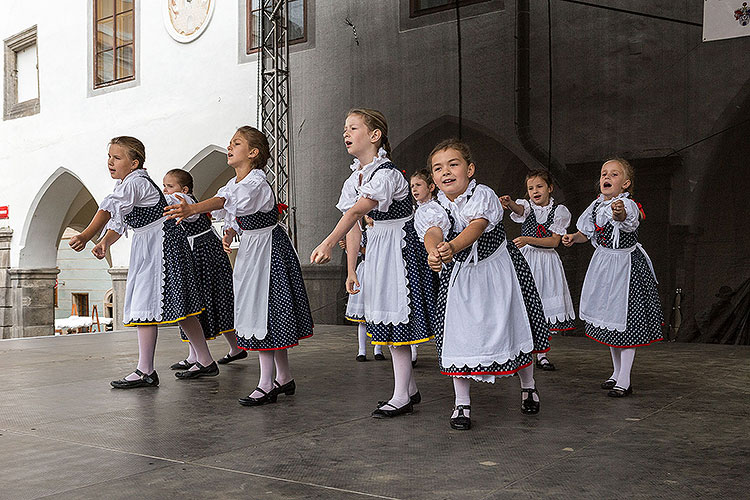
{"x":421,"y":7}
{"x":80,"y":304}
{"x":297,"y":23}
{"x":114,"y":43}
{"x":21,"y":75}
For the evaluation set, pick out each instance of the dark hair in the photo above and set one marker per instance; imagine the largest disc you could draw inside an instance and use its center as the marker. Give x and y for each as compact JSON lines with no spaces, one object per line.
{"x":542,"y":174}
{"x":374,"y":120}
{"x":627,"y":169}
{"x":183,"y":178}
{"x":257,"y":139}
{"x":451,"y":143}
{"x":426,"y":176}
{"x":133,"y":147}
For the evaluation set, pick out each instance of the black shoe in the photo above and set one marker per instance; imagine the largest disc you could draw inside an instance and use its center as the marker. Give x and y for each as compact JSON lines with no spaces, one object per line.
{"x":528,"y":405}
{"x":267,"y":397}
{"x":228,"y":358}
{"x":151,"y":380}
{"x":619,"y":392}
{"x":181,"y":365}
{"x":380,"y":357}
{"x":361,"y":357}
{"x":413,"y":363}
{"x":609,"y":383}
{"x":287,"y":388}
{"x":414,"y":399}
{"x":461,"y":422}
{"x":548,"y":366}
{"x":203,"y":371}
{"x":385,"y":412}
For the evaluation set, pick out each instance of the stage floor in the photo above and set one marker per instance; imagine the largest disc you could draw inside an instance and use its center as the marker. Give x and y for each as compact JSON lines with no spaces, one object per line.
{"x":684,"y":433}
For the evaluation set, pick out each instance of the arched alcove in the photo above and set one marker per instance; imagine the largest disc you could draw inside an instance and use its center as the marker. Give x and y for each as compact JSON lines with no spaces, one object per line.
{"x":209,"y":170}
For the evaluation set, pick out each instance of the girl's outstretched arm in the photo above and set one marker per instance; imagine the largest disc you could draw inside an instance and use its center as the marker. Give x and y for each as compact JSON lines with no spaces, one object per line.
{"x":353,"y":240}
{"x":322,"y":253}
{"x":508,"y":203}
{"x":100,"y":250}
{"x":95,"y":227}
{"x":467,"y":238}
{"x":185,"y":209}
{"x":548,"y":241}
{"x":577,"y":237}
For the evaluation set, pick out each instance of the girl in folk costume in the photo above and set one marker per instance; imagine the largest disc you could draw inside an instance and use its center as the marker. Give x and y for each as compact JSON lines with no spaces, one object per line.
{"x":491,"y":314}
{"x":213,"y":270}
{"x":422,"y":190}
{"x":398,"y":287}
{"x":161,"y":287}
{"x":271,"y":310}
{"x":544,"y":223}
{"x":619,"y":299}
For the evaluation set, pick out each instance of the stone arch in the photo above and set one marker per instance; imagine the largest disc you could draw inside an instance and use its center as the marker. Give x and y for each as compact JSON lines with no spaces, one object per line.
{"x":209,"y":170}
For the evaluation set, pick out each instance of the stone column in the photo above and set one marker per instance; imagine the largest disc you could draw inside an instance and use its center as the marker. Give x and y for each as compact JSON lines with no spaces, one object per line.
{"x":32,"y":294}
{"x":325,"y":287}
{"x":119,"y":282}
{"x":6,"y":307}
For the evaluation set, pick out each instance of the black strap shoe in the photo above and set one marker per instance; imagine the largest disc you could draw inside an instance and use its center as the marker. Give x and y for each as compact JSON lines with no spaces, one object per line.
{"x":181,"y":365}
{"x":609,"y":383}
{"x":203,"y":371}
{"x":414,"y":399}
{"x":267,"y":397}
{"x":287,"y":388}
{"x":528,"y":405}
{"x":461,"y":422}
{"x":361,"y":358}
{"x":228,"y":358}
{"x":548,"y":366}
{"x":619,"y":392}
{"x":380,"y":357}
{"x":390,"y":411}
{"x":151,"y":380}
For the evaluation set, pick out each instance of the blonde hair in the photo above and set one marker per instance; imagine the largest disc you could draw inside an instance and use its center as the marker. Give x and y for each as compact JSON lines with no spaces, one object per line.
{"x":133,"y":148}
{"x":257,"y":139}
{"x":374,"y":120}
{"x":627,"y":169}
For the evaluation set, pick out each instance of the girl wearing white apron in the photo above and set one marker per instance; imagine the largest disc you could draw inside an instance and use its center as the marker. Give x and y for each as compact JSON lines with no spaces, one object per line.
{"x":619,"y":300}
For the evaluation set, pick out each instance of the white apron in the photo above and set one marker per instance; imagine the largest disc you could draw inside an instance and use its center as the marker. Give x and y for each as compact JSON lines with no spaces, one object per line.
{"x":355,"y":305}
{"x":549,"y":278}
{"x":604,"y":297}
{"x":145,"y":285}
{"x":485,"y":315}
{"x":252,"y":276}
{"x":384,"y":287}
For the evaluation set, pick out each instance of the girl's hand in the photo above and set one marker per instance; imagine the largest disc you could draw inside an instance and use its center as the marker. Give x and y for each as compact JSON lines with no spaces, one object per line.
{"x":179,"y":212}
{"x":445,"y":249}
{"x":521,"y":241}
{"x":100,"y":250}
{"x":226,"y":241}
{"x":342,"y":244}
{"x":505,"y":201}
{"x":78,"y":242}
{"x":435,"y":261}
{"x":568,"y":240}
{"x":618,"y":210}
{"x":369,"y":221}
{"x":352,"y":284}
{"x":321,"y":254}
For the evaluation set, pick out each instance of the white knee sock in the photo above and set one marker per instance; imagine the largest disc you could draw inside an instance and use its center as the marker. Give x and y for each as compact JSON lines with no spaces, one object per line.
{"x":462,"y":390}
{"x":266,"y":361}
{"x":362,"y":338}
{"x":231,"y":339}
{"x":192,"y":357}
{"x":146,"y":349}
{"x":627,"y":356}
{"x":194,"y":332}
{"x":402,"y":375}
{"x":414,"y":352}
{"x":615,"y":352}
{"x":527,"y":381}
{"x":281,"y":361}
{"x":378,"y":349}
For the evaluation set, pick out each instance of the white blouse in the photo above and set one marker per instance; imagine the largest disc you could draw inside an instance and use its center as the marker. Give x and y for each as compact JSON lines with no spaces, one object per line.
{"x":248,"y":196}
{"x":430,"y":214}
{"x":604,"y":215}
{"x":349,"y":192}
{"x":483,"y":204}
{"x":133,"y":191}
{"x":559,"y":224}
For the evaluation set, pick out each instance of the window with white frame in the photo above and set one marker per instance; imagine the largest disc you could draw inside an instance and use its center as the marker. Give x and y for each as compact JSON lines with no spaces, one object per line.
{"x":21,"y":75}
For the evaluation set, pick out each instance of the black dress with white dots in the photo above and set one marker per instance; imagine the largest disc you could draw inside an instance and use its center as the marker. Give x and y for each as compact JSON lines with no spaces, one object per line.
{"x":180,"y":294}
{"x":644,"y":316}
{"x":422,"y":282}
{"x":214,"y":274}
{"x":289,"y":318}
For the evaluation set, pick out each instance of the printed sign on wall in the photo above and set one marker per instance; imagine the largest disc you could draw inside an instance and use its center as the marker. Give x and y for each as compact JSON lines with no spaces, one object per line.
{"x":725,"y":19}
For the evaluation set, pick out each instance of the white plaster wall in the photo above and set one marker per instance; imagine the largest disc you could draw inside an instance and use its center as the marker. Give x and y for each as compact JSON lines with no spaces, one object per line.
{"x":189,"y":96}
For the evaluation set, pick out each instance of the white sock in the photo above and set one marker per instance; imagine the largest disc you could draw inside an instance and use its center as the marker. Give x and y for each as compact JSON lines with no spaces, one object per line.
{"x":281,"y":361}
{"x":527,"y":381}
{"x":146,"y":350}
{"x":414,"y":352}
{"x":627,"y":356}
{"x":231,"y":339}
{"x":615,"y":351}
{"x":362,"y":337}
{"x":378,"y":349}
{"x":541,"y":355}
{"x":194,"y":332}
{"x":402,"y":375}
{"x":192,"y":357}
{"x":462,"y":389}
{"x":266,"y":361}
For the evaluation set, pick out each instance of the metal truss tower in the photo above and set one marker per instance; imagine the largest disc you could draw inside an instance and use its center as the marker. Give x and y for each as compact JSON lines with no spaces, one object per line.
{"x":274,"y":113}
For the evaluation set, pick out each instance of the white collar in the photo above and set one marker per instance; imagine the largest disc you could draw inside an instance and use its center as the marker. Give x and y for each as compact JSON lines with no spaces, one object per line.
{"x":605,"y":203}
{"x":256,"y":172}
{"x":138,"y":172}
{"x":380,"y":158}
{"x":542,"y":207}
{"x":469,"y":188}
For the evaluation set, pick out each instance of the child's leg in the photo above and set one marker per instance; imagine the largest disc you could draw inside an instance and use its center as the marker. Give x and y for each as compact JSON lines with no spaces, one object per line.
{"x":283,"y":372}
{"x":526,"y":375}
{"x":402,"y":374}
{"x":194,"y":332}
{"x":461,"y":387}
{"x":231,"y":339}
{"x":146,"y":349}
{"x":192,"y":356}
{"x":412,"y":384}
{"x":266,"y":361}
{"x":378,"y":349}
{"x":627,"y":356}
{"x":362,"y":338}
{"x":414,"y":352}
{"x":615,"y":352}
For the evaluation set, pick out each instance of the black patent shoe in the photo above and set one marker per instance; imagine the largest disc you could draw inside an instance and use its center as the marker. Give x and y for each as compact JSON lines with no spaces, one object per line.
{"x":380,"y":357}
{"x":619,"y":392}
{"x":414,"y":399}
{"x":229,"y":358}
{"x":151,"y":380}
{"x":287,"y":388}
{"x":203,"y":371}
{"x":461,"y":422}
{"x":267,"y":397}
{"x":548,"y":366}
{"x":528,"y":405}
{"x":390,"y":411}
{"x":181,"y":365}
{"x":609,"y":383}
{"x":361,"y":358}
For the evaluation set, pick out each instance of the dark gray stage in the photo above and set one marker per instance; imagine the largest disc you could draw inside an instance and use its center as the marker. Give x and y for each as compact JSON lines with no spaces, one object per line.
{"x":684,"y":433}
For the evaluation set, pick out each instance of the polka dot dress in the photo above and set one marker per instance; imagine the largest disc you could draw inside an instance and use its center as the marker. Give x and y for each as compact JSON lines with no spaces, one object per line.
{"x":644,"y":316}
